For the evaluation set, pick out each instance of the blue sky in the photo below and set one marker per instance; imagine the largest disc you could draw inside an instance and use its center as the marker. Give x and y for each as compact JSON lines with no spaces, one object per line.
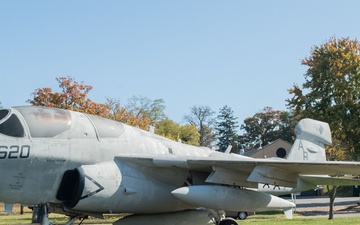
{"x":244,"y":54}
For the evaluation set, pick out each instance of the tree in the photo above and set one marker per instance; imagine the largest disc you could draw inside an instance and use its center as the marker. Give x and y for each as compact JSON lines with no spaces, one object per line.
{"x":116,"y":111}
{"x":202,"y":118}
{"x":73,"y":97}
{"x":334,"y":152}
{"x":168,"y":129}
{"x":267,"y":126}
{"x":331,"y":93}
{"x":122,"y":114}
{"x":187,"y":134}
{"x":226,"y":126}
{"x":286,"y":126}
{"x":144,"y":107}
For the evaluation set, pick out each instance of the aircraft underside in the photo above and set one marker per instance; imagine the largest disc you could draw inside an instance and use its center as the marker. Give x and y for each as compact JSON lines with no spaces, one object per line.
{"x":199,"y":216}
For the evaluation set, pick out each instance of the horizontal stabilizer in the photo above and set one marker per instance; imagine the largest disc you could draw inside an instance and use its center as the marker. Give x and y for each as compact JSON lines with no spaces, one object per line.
{"x":327,"y":180}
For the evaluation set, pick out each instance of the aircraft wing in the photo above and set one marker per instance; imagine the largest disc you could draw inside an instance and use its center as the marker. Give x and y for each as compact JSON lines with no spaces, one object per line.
{"x":244,"y":171}
{"x":299,"y":167}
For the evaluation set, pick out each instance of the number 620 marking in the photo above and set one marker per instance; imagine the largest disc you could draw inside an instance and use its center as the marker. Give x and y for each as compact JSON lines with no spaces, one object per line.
{"x":14,"y":152}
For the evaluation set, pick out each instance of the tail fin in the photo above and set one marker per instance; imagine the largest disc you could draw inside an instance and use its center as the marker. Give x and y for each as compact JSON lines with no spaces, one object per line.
{"x":311,"y":136}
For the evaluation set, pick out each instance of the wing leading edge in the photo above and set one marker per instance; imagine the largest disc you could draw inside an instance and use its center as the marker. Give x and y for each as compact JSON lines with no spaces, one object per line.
{"x":244,"y":171}
{"x":307,"y":157}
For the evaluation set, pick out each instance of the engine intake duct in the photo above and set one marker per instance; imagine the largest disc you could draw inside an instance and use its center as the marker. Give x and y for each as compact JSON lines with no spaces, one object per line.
{"x":71,"y":187}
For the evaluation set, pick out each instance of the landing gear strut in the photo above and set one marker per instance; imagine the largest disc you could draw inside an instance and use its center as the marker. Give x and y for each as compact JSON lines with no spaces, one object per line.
{"x":219,"y":217}
{"x":38,"y":213}
{"x":41,"y":216}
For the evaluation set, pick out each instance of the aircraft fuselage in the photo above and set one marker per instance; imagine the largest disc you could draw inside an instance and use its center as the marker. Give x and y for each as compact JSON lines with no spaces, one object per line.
{"x":53,"y":141}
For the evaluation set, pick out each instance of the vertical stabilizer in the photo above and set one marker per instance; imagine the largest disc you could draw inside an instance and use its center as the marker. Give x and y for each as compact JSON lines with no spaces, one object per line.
{"x":311,"y":137}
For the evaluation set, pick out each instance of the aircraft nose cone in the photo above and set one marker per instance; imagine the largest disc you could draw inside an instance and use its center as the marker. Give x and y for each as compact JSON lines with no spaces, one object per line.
{"x":180,"y":191}
{"x":277,"y":202}
{"x":182,"y":194}
{"x":289,"y":204}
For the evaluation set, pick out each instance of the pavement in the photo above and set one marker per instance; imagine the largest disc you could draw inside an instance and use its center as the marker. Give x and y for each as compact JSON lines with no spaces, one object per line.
{"x":319,"y":206}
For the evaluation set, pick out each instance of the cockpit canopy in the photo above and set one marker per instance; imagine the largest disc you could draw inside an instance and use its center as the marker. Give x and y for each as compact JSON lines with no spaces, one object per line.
{"x":10,"y":124}
{"x":45,"y":122}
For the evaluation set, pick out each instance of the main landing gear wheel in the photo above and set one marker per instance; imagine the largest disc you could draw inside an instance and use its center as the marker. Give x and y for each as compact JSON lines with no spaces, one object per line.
{"x":228,"y":221}
{"x":242,"y":215}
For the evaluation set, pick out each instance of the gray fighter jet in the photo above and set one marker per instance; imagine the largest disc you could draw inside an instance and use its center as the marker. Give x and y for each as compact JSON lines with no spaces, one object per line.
{"x":80,"y":165}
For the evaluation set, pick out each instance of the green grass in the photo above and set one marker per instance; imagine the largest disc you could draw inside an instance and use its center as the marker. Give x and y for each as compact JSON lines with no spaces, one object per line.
{"x":56,"y":218}
{"x":302,"y":221}
{"x":272,"y":218}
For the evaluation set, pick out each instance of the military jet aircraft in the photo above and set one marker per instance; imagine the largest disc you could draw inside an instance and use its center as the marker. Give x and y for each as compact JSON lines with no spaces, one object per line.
{"x":81,"y":165}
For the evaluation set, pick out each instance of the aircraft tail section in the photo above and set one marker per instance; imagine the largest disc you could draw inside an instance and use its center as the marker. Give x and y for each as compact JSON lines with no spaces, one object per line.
{"x":311,"y":137}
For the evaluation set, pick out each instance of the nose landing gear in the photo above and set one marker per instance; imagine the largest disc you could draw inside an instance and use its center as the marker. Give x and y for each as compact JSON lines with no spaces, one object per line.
{"x":41,"y":216}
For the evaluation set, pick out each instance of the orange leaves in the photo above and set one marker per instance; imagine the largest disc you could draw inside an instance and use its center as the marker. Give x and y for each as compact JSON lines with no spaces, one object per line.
{"x":331,"y":92}
{"x":74,"y":97}
{"x":43,"y":97}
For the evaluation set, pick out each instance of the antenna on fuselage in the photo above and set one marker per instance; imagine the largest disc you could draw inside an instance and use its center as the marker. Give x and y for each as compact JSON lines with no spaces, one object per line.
{"x":228,"y":149}
{"x":152,"y":129}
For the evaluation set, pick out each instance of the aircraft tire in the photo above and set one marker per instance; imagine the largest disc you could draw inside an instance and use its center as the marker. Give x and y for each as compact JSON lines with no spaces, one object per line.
{"x":242,"y":215}
{"x":228,"y":221}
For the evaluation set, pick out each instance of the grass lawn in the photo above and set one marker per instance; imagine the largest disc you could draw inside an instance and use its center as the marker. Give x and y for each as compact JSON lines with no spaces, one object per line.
{"x":268,"y":218}
{"x":298,"y":221}
{"x":253,"y":220}
{"x":56,"y":218}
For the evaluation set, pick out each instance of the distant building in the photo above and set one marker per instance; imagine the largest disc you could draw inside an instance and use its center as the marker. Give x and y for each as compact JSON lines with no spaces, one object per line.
{"x":278,"y":148}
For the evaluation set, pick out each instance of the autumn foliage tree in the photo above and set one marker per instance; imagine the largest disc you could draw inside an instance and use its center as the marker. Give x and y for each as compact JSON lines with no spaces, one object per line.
{"x":144,"y":107}
{"x":124,"y":115}
{"x":139,"y":112}
{"x":187,"y":134}
{"x":331,"y":93}
{"x":267,"y":126}
{"x":73,"y":97}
